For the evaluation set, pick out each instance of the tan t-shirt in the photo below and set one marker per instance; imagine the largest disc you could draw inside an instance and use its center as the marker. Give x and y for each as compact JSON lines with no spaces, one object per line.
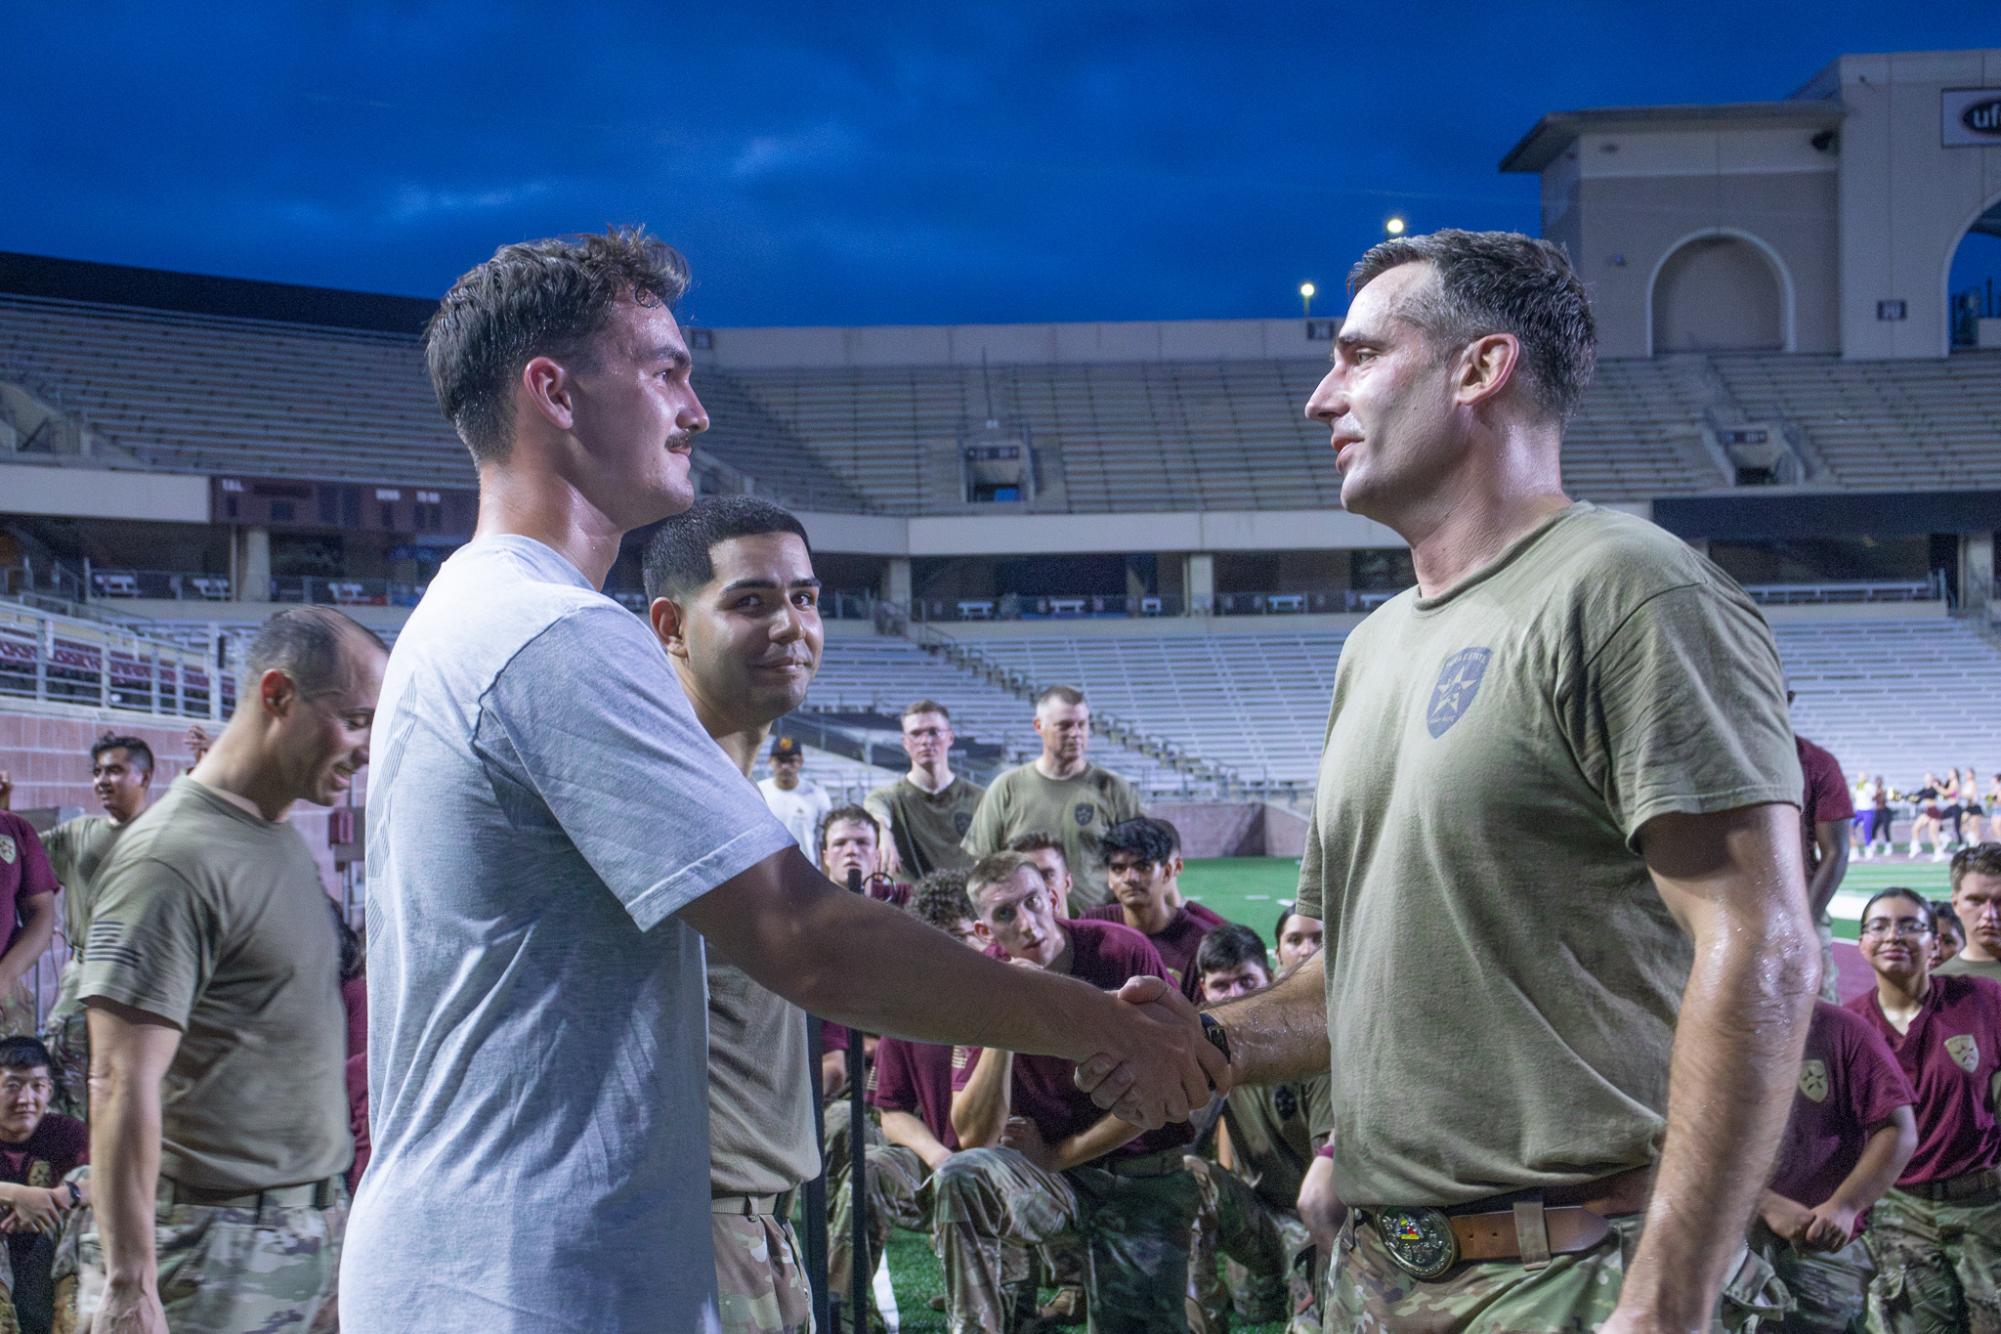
{"x":77,"y":850}
{"x":1960,"y":964}
{"x":1271,"y":1131}
{"x":927,"y":826}
{"x":215,"y":920}
{"x":1502,"y":976}
{"x":1077,"y":810}
{"x":760,"y":1091}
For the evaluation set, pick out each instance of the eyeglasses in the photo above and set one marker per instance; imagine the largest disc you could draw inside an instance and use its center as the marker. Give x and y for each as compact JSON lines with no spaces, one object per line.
{"x":1909,"y":927}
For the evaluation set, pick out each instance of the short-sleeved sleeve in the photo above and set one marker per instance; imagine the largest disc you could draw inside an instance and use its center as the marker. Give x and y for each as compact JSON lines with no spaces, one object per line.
{"x":1124,"y":800}
{"x":1683,"y":711}
{"x":152,"y":942}
{"x":989,"y":827}
{"x":1319,"y":1099}
{"x":892,"y":1084}
{"x":37,"y":876}
{"x":621,"y":764}
{"x":1827,"y":795}
{"x":1875,"y":1085}
{"x":963,"y":1061}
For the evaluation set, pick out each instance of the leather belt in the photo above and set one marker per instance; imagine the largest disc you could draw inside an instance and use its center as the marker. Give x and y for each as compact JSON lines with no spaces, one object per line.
{"x":1986,"y":1181}
{"x":1529,"y":1226}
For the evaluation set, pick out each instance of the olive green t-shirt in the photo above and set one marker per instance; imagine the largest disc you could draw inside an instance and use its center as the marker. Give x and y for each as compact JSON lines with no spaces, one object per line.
{"x":215,"y":921}
{"x":1960,"y":964}
{"x":1502,"y":975}
{"x":1077,"y":810}
{"x":77,"y":849}
{"x":760,"y":1091}
{"x":1271,"y":1131}
{"x":927,"y":826}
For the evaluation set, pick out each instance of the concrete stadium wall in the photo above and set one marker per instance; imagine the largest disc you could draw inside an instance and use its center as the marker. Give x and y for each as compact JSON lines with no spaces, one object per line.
{"x":1234,"y":828}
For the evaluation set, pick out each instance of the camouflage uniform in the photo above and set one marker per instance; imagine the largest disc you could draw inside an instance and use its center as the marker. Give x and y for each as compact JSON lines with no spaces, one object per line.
{"x":1133,"y":1216}
{"x":1829,"y":1288}
{"x":1366,"y":1291}
{"x":225,"y":1269}
{"x":67,"y":1036}
{"x":1271,"y":1273}
{"x":1938,"y":1266}
{"x":761,"y":1283}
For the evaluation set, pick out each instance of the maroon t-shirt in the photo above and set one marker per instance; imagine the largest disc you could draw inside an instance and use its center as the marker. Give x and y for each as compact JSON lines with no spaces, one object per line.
{"x":1103,"y":954}
{"x":1177,"y":943}
{"x":354,"y":996}
{"x":1950,"y":1056}
{"x":24,"y":872}
{"x":1849,"y":1087}
{"x":59,"y":1144}
{"x":1827,"y":797}
{"x":915,"y":1077}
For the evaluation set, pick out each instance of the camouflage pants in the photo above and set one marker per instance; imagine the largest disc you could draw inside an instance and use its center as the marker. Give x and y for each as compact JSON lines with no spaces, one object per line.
{"x":895,"y":1176}
{"x":1938,"y":1266}
{"x":760,"y":1282}
{"x":1829,"y":1288}
{"x":1830,"y":972}
{"x":1266,"y":1244}
{"x":67,"y":1036}
{"x":985,"y":1202}
{"x":1367,"y":1292}
{"x":225,"y":1269}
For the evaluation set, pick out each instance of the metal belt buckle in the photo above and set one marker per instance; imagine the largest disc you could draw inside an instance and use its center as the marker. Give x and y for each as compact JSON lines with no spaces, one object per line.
{"x":1420,"y":1241}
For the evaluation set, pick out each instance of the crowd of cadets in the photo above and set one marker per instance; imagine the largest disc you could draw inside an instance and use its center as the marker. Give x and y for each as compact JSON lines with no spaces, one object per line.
{"x":228,"y":1111}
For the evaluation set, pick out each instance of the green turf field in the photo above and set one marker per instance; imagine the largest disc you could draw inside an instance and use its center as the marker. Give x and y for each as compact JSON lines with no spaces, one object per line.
{"x":1249,"y":890}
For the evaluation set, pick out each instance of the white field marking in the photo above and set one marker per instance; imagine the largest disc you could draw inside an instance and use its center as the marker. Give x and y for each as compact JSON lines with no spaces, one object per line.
{"x":885,"y":1296}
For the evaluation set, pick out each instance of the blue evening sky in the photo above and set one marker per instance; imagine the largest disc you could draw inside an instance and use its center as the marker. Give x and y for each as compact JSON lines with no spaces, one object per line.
{"x":849,"y":164}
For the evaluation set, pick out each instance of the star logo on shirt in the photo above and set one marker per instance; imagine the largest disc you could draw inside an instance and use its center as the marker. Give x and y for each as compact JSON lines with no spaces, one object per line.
{"x":1458,"y":682}
{"x":1965,"y":1052}
{"x":1813,"y":1080}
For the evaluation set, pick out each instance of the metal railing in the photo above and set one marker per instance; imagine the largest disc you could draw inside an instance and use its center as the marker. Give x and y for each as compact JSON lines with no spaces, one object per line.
{"x":57,"y":659}
{"x":341,"y":591}
{"x":173,"y":585}
{"x":1931,"y":589}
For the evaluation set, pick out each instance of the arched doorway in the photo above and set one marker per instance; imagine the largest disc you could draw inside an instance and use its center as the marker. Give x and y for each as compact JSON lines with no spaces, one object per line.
{"x":1720,"y":291}
{"x":1973,"y":283}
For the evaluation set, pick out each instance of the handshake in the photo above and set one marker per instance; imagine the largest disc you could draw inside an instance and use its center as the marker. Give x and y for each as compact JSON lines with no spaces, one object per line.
{"x":1158,"y":1063}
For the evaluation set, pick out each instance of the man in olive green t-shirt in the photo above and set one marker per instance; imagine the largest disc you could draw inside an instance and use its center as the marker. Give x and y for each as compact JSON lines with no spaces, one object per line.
{"x":1061,"y":793}
{"x":1555,"y":844}
{"x":211,"y":978}
{"x":121,"y":775}
{"x":1976,"y":901}
{"x":930,"y":809}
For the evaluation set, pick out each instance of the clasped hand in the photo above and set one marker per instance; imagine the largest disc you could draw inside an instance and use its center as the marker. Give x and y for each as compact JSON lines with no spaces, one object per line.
{"x":1165,"y":1069}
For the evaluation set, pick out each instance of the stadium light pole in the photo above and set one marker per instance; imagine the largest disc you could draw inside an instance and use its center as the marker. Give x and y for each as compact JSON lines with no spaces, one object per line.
{"x":1394,"y":225}
{"x":1306,"y":294}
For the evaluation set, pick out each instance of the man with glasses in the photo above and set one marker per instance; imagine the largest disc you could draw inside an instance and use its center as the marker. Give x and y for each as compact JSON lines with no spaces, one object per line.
{"x":1935,"y":1236}
{"x":928,"y":810}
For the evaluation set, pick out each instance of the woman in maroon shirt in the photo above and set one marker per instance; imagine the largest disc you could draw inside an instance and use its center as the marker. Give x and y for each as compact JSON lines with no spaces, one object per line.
{"x":1936,"y":1235}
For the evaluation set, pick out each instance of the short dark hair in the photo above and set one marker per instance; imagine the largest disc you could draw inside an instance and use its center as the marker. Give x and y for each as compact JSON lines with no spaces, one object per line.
{"x":1943,"y":917}
{"x":532,"y":299}
{"x":306,"y":644}
{"x":1286,"y":912}
{"x":677,"y":558}
{"x":940,"y":899}
{"x":1500,"y":282}
{"x":1977,"y":859}
{"x":1231,"y":945}
{"x":927,"y":706}
{"x":1039,"y":840}
{"x":851,"y":813}
{"x":996,"y":868}
{"x":1060,"y":693}
{"x":1151,"y":841}
{"x":1901,"y":892}
{"x":21,"y":1052}
{"x":141,"y":754}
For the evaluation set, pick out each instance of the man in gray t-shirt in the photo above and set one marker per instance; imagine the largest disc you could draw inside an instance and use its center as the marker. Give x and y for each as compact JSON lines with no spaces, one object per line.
{"x":547,"y":828}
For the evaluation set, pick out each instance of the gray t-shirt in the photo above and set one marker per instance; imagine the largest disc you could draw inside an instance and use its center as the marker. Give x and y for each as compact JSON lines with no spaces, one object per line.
{"x":542,"y":802}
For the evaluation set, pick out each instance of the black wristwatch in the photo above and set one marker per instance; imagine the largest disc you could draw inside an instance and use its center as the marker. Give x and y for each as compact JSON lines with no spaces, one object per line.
{"x":75,"y":1195}
{"x":1219,"y":1037}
